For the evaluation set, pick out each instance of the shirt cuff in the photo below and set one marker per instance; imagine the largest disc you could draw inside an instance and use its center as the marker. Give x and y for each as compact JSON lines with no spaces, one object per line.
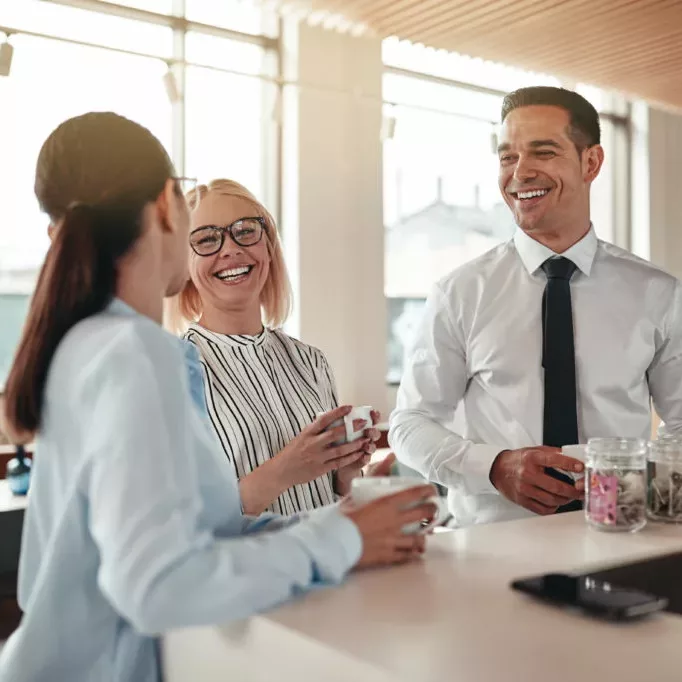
{"x":475,"y":469}
{"x":334,"y":542}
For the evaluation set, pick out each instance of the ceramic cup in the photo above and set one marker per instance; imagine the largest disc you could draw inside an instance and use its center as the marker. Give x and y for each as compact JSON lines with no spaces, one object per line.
{"x":576,"y":452}
{"x":363,"y":412}
{"x":370,"y":488}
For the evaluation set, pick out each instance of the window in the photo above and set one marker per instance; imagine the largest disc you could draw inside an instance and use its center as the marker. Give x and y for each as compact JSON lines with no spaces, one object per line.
{"x":442,"y":205}
{"x":86,"y":26}
{"x":236,"y":15}
{"x":229,"y":125}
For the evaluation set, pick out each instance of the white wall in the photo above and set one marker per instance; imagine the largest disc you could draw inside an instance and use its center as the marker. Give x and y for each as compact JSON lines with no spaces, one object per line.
{"x":665,"y":190}
{"x":332,"y":203}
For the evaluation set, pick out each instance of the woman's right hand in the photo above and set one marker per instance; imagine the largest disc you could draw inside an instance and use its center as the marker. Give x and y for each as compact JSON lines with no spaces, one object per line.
{"x":313,"y":453}
{"x":380,"y":523}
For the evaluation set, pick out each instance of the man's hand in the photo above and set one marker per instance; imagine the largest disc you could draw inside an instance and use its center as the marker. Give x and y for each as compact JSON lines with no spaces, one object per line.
{"x":520,"y":476}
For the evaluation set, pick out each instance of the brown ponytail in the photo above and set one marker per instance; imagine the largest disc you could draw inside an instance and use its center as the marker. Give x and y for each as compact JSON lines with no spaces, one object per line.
{"x":79,"y":276}
{"x":78,"y":279}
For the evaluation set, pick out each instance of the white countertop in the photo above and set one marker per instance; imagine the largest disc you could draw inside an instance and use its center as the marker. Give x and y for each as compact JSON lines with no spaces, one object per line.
{"x":8,"y":501}
{"x":449,"y":618}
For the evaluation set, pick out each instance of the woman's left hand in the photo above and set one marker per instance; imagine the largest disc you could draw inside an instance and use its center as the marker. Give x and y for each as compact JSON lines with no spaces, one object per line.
{"x":345,"y":475}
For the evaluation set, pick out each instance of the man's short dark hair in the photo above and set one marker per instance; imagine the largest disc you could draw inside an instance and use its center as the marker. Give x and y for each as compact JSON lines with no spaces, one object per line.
{"x":584,"y":129}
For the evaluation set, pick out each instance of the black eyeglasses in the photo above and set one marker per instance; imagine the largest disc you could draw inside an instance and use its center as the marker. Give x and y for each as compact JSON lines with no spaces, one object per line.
{"x":209,"y":239}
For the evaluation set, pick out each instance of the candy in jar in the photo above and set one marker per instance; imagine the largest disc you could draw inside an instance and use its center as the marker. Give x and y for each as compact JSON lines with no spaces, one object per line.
{"x":615,"y":483}
{"x":664,"y":494}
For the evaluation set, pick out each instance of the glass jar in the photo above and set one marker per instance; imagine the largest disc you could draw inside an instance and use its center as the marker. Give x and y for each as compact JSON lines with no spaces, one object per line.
{"x":664,"y":487}
{"x":615,"y":483}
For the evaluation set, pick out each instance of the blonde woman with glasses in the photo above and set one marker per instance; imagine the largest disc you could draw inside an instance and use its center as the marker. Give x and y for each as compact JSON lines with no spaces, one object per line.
{"x":263,"y":389}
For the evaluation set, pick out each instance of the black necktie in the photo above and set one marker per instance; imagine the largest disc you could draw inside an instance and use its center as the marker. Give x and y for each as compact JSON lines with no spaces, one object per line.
{"x":560,"y":422}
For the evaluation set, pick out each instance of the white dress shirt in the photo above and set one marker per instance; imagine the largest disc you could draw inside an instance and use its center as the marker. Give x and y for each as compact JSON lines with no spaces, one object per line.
{"x":479,"y":351}
{"x":134,"y":522}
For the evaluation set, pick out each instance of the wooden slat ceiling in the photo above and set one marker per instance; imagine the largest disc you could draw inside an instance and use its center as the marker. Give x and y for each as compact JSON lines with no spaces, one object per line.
{"x":634,"y":46}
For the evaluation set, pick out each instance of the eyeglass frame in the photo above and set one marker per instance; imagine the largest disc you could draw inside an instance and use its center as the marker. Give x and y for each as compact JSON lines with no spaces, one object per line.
{"x":228,"y":229}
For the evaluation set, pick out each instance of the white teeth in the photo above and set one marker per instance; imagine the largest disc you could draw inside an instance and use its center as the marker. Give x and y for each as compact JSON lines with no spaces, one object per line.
{"x":233,"y":272}
{"x":534,"y":193}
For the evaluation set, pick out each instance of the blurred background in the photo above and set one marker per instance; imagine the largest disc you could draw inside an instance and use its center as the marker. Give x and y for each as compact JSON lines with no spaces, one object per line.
{"x":367,"y":128}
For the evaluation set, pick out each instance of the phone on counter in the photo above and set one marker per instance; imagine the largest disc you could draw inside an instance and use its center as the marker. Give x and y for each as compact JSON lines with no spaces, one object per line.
{"x":596,"y":597}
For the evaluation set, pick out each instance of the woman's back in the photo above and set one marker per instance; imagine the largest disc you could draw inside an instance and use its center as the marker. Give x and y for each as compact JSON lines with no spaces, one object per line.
{"x":88,"y":390}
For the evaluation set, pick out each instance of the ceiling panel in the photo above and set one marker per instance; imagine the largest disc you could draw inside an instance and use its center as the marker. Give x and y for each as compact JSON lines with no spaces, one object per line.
{"x":634,"y":46}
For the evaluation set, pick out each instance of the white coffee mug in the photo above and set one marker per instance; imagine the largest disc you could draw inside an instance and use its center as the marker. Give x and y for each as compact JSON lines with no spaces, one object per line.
{"x":363,"y":412}
{"x":576,"y":452}
{"x":368,"y":488}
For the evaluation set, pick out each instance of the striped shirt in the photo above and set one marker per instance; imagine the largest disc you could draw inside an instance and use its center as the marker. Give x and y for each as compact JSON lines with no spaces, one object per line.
{"x":261,"y":392}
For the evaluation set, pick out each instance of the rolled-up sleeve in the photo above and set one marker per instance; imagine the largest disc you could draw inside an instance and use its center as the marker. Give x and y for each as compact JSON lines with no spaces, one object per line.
{"x":434,"y":382}
{"x":161,"y":565}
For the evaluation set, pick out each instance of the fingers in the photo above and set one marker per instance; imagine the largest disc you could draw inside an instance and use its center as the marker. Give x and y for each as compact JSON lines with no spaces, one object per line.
{"x":370,"y":449}
{"x":373,"y":434}
{"x":376,"y":417}
{"x":326,"y":420}
{"x":354,"y":465}
{"x":411,"y":543}
{"x":423,"y":512}
{"x":333,"y":435}
{"x":567,"y":491}
{"x":542,"y":496}
{"x":405,"y":498}
{"x":357,"y":446}
{"x":552,"y":457}
{"x":580,"y":486}
{"x":408,"y":548}
{"x":341,"y":462}
{"x":382,"y":468}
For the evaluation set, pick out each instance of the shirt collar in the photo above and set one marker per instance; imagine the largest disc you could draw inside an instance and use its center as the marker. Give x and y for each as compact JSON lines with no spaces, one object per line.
{"x":118,"y":307}
{"x":533,"y":254}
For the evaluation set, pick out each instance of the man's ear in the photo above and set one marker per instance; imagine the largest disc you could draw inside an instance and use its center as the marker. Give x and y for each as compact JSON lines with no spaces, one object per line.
{"x":593,"y":160}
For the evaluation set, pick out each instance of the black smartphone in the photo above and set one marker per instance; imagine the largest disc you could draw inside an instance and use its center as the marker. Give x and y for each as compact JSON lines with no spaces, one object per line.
{"x":593,"y":596}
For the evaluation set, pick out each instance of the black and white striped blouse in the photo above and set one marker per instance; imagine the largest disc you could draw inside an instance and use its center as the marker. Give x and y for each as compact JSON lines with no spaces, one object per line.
{"x":261,"y":392}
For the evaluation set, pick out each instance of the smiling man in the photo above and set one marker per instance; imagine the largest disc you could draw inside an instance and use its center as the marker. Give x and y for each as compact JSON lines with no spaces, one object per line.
{"x":547,"y":340}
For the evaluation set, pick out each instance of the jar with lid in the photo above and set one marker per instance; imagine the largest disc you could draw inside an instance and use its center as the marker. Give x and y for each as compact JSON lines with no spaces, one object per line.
{"x":615,"y":483}
{"x":664,"y":488}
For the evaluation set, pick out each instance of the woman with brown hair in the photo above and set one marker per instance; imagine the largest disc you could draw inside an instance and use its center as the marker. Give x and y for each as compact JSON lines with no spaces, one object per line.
{"x":264,"y":390}
{"x":134,"y":520}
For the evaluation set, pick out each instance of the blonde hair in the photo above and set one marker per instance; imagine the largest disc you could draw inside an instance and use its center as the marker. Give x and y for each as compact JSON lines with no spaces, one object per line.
{"x":276,"y":296}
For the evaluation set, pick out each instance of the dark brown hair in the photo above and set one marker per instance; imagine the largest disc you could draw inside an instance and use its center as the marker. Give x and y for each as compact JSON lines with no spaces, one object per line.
{"x":94,"y":176}
{"x":584,"y":130}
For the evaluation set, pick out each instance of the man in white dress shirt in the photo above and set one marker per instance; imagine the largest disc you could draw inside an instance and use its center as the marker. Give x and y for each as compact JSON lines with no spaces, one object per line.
{"x":547,"y":340}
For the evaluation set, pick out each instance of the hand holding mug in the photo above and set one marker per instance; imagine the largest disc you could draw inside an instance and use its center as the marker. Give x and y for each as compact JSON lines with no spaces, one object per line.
{"x":382,"y":520}
{"x":320,"y":448}
{"x":348,"y":472}
{"x":520,"y":476}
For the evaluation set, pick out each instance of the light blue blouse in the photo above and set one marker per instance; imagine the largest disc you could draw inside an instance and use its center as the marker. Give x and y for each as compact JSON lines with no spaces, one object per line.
{"x":134,"y":519}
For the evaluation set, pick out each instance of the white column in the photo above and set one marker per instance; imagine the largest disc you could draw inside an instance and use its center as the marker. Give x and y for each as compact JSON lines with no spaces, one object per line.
{"x":665,"y":190}
{"x":332,"y":203}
